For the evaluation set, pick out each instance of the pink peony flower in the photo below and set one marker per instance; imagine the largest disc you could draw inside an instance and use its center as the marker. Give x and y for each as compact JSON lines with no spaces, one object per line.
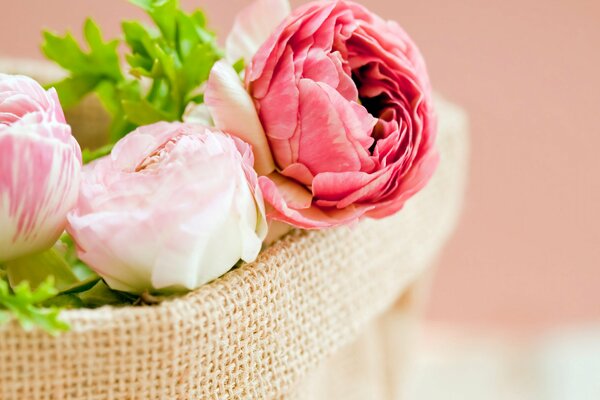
{"x":172,"y":207}
{"x":345,"y":102}
{"x":40,"y":166}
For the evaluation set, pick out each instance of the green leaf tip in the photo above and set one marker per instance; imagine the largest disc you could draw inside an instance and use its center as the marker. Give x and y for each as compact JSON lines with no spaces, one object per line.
{"x":26,"y":306}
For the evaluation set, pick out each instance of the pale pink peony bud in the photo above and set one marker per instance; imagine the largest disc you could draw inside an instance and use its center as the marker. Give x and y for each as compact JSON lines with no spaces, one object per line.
{"x":172,"y":207}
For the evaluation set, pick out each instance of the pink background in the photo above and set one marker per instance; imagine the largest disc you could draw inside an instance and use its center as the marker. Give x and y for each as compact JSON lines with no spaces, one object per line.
{"x":527,"y":253}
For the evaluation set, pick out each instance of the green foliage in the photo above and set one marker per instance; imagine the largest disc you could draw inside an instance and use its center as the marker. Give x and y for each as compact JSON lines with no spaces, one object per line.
{"x":34,"y":289}
{"x":100,"y":295}
{"x":36,"y":268}
{"x":27,"y":306}
{"x":167,"y":65}
{"x":88,"y":155}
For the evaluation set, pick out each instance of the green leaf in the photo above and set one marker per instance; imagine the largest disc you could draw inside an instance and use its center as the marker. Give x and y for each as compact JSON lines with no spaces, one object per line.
{"x":197,"y":66}
{"x":37,"y":268}
{"x":138,"y":37}
{"x":102,"y":52}
{"x":82,"y":271}
{"x":74,"y":88}
{"x":102,"y":60}
{"x":25,"y":305}
{"x":68,"y":249}
{"x":164,"y":13}
{"x":144,"y":4}
{"x":64,"y":51}
{"x":187,"y":34}
{"x":199,"y":18}
{"x":168,"y":65}
{"x":239,"y":66}
{"x":81,"y":286}
{"x":100,"y":295}
{"x":88,"y":155}
{"x":64,"y":301}
{"x":143,"y":113}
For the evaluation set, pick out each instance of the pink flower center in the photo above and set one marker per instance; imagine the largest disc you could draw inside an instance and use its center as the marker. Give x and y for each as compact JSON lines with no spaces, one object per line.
{"x":158,"y":156}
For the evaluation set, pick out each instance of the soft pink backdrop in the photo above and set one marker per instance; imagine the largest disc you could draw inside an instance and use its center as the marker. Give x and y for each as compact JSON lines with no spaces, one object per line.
{"x":527,"y":253}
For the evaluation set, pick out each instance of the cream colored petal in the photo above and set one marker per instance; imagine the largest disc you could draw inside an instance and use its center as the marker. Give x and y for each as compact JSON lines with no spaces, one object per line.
{"x":233,"y":111}
{"x":252,"y":26}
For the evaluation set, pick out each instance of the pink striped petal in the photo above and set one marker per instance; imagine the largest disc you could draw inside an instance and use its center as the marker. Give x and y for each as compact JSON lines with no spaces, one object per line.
{"x":39,"y":180}
{"x":40,"y":165}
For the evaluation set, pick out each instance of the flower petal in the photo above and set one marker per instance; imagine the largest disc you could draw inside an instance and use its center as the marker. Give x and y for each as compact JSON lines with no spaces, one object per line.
{"x":287,"y":203}
{"x":198,"y":114}
{"x":252,"y":26}
{"x":39,"y":180}
{"x":233,"y":111}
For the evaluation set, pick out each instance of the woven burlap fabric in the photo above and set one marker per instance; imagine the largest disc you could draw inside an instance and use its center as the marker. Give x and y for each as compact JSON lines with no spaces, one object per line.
{"x":262,"y":330}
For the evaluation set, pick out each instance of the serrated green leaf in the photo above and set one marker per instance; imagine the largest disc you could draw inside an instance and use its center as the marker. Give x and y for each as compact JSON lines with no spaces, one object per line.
{"x":103,"y":54}
{"x":175,"y":58}
{"x":101,"y":61}
{"x":63,"y":50}
{"x":25,"y":305}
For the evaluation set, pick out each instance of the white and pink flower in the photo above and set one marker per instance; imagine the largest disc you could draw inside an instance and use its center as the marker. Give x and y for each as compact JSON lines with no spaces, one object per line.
{"x":40,"y":165}
{"x":172,"y":207}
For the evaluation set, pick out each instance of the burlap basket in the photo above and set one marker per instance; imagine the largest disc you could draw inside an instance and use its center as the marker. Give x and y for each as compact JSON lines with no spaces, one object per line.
{"x":319,"y":315}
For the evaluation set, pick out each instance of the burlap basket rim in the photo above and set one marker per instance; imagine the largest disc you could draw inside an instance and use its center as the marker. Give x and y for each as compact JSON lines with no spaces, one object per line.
{"x":208,"y":290}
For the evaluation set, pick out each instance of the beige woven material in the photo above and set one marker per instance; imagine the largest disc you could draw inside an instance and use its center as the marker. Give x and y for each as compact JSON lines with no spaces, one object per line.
{"x":276,"y":328}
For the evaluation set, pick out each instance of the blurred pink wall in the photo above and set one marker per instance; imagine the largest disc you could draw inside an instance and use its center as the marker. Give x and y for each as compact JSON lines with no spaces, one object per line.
{"x":527,"y":253}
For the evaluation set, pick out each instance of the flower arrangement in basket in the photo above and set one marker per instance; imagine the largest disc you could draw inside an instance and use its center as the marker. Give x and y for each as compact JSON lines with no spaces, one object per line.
{"x":311,"y":119}
{"x":161,"y":261}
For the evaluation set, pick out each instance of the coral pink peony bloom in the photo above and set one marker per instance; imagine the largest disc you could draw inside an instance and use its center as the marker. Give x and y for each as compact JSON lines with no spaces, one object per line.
{"x":172,"y":207}
{"x":345,"y":102}
{"x":40,"y":166}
